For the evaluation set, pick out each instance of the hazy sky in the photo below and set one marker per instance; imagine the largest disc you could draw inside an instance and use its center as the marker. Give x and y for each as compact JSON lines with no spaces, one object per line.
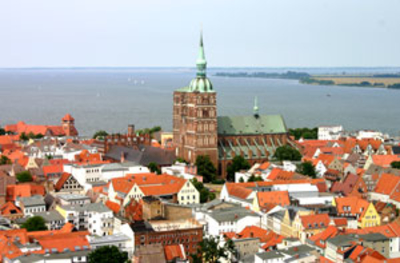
{"x":262,"y":33}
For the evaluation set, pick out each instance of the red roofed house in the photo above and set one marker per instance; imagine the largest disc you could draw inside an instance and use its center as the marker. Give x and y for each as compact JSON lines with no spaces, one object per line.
{"x":325,"y":162}
{"x":122,"y":190}
{"x":305,"y":226}
{"x":244,"y":193}
{"x":68,"y":184}
{"x":10,"y":211}
{"x":361,"y":209}
{"x":381,"y":160}
{"x":268,"y":200}
{"x":319,"y":240}
{"x":387,"y":190}
{"x":352,"y":185}
{"x":86,"y":157}
{"x":24,"y":190}
{"x":53,"y":172}
{"x":67,"y":128}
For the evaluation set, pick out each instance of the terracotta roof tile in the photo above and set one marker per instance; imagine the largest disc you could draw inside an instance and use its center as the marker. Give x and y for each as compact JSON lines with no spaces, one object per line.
{"x":9,"y":208}
{"x":385,"y":160}
{"x":113,"y":206}
{"x":315,"y":221}
{"x":357,"y":205}
{"x":174,"y":252}
{"x":64,"y":177}
{"x":387,"y":184}
{"x":276,"y":197}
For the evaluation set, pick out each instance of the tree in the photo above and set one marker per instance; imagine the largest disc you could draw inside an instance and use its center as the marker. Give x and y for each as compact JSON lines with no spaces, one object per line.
{"x":210,"y":251}
{"x":205,"y":194}
{"x":206,"y":168}
{"x":307,"y":168}
{"x":238,"y":163}
{"x":100,"y":135}
{"x":241,"y":180}
{"x":254,"y":178}
{"x":35,"y":223}
{"x":107,"y":254}
{"x":395,"y":165}
{"x":38,"y":136}
{"x":4,"y":160}
{"x":24,"y":176}
{"x":181,"y":160}
{"x":287,"y":153}
{"x":2,"y":131}
{"x":304,"y":133}
{"x":23,"y":136}
{"x":153,"y":167}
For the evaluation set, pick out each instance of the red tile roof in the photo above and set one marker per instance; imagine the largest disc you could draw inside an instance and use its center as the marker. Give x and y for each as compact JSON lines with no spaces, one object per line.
{"x":340,"y":221}
{"x":174,"y":252}
{"x":357,"y":205}
{"x":68,"y":117}
{"x":24,"y":190}
{"x":113,"y":206}
{"x":328,"y":233}
{"x":64,"y":177}
{"x":387,"y":184}
{"x":385,"y":160}
{"x":351,"y":185}
{"x":315,"y":221}
{"x":279,"y":174}
{"x":264,"y":166}
{"x":9,"y":208}
{"x":52,"y":169}
{"x":149,"y":183}
{"x":85,"y":157}
{"x":276,"y":197}
{"x":63,"y":241}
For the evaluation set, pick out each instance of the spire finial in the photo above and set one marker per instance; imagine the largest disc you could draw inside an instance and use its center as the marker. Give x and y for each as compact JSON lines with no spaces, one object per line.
{"x":255,"y":109}
{"x":201,"y":35}
{"x":201,"y":62}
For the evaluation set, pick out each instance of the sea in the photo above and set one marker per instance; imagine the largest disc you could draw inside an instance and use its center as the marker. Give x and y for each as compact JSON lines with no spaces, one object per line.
{"x":112,"y":98}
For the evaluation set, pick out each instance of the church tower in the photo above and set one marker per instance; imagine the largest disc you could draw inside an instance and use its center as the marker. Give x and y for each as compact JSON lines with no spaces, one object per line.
{"x":195,"y":116}
{"x":68,"y":125}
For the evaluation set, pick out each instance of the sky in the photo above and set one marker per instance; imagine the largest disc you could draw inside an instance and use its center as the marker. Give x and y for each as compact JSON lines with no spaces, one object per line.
{"x":165,"y":33}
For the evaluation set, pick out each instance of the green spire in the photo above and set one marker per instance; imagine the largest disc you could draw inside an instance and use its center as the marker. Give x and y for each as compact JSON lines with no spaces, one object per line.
{"x":201,"y":62}
{"x":255,"y":109}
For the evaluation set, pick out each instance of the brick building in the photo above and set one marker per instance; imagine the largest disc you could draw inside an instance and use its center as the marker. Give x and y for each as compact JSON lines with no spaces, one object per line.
{"x":131,"y":139}
{"x":198,"y":130}
{"x":187,"y":232}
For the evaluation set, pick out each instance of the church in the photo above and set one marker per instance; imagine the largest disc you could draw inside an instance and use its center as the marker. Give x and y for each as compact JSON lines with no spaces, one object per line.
{"x":198,"y":130}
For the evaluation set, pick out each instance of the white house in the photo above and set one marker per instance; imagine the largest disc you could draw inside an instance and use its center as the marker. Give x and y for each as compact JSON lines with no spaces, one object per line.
{"x":182,"y":170}
{"x":95,"y":217}
{"x":123,"y":241}
{"x":33,"y":204}
{"x":233,"y":219}
{"x":86,"y":174}
{"x":330,"y":132}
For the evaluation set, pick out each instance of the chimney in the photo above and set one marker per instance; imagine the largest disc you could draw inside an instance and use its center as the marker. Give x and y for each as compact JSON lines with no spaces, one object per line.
{"x":122,"y":157}
{"x":131,"y":130}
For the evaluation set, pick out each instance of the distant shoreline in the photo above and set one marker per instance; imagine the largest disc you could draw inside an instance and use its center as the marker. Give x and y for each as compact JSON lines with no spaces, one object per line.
{"x":383,"y":81}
